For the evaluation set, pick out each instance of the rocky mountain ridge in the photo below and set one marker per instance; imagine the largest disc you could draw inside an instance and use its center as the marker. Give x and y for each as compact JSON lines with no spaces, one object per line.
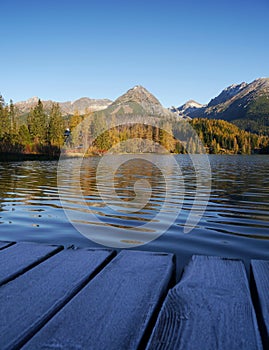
{"x":137,"y":101}
{"x":68,"y":107}
{"x":246,"y":105}
{"x":231,"y":103}
{"x":227,"y":94}
{"x":187,"y":108}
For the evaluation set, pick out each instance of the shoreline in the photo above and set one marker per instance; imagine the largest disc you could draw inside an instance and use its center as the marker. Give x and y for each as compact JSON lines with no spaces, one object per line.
{"x":16,"y":157}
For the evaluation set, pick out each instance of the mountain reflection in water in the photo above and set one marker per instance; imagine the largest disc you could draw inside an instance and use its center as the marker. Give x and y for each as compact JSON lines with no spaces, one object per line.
{"x":235,"y":223}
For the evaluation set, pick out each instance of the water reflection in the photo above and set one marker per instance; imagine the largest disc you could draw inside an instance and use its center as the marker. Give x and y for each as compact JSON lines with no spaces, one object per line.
{"x":136,"y":196}
{"x":236,"y":220}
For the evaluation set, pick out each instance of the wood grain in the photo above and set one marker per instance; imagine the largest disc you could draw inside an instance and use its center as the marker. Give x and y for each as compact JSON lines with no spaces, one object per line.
{"x":20,"y":257}
{"x":210,"y":308}
{"x":30,"y":300}
{"x":260,"y":271}
{"x":115,"y":309}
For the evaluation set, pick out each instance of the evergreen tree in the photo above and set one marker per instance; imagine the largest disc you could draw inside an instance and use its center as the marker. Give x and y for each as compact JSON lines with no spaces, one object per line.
{"x":24,"y":136}
{"x":12,"y":117}
{"x":56,"y":126}
{"x":2,"y":102}
{"x":5,"y":125}
{"x":38,"y":124}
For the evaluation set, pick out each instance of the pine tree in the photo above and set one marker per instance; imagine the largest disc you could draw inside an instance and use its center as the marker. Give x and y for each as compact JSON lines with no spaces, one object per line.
{"x":5,"y":125}
{"x":24,"y":136}
{"x":38,"y":124}
{"x":12,"y":117}
{"x":2,"y":102}
{"x":56,"y":126}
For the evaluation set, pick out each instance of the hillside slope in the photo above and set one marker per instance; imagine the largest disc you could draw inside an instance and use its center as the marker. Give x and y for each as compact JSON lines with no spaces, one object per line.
{"x":246,"y":105}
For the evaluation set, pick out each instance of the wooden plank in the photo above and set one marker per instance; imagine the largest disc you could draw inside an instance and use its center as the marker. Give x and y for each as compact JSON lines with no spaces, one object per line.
{"x":210,"y":308}
{"x":20,"y":257}
{"x":260,"y":274}
{"x":115,"y":310}
{"x":30,"y":300}
{"x":4,"y":245}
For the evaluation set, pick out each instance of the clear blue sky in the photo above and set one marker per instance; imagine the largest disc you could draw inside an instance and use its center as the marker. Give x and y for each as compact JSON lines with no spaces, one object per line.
{"x":179,"y":50}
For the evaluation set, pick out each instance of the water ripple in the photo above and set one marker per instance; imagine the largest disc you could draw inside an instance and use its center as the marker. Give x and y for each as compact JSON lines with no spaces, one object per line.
{"x":238,"y":207}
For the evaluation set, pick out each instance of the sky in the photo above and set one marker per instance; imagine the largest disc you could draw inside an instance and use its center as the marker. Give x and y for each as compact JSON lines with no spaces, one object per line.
{"x":178,"y":50}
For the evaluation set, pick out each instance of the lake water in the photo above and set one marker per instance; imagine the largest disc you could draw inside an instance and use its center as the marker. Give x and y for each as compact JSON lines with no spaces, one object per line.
{"x":235,"y":222}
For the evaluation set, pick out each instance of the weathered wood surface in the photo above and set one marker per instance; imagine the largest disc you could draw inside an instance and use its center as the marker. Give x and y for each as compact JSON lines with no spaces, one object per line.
{"x":30,"y":300}
{"x":52,"y":298}
{"x":20,"y":257}
{"x":113,"y":311}
{"x":260,"y":271}
{"x":210,"y":308}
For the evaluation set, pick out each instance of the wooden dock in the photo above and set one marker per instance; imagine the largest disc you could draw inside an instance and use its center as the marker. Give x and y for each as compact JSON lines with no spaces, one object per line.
{"x":56,"y":298}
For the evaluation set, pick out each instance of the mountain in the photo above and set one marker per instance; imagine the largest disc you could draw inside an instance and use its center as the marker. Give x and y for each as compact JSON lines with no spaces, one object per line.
{"x":227,"y":94}
{"x":138,"y":101}
{"x":184,"y":110}
{"x":246,"y":105}
{"x":242,"y":103}
{"x":68,"y":107}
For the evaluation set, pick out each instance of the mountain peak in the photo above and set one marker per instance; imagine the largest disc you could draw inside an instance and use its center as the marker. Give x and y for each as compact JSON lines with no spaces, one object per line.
{"x":33,"y":99}
{"x":192,"y":104}
{"x":138,"y":94}
{"x":139,"y":100}
{"x":247,"y":105}
{"x":262,"y":80}
{"x":227,"y":94}
{"x":138,"y":87}
{"x":188,"y":107}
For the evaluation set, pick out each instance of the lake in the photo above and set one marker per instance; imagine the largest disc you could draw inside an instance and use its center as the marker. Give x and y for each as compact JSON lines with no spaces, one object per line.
{"x":143,"y":203}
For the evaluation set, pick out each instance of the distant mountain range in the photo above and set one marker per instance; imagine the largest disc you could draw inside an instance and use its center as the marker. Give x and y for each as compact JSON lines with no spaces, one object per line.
{"x":137,"y":100}
{"x":67,"y":108}
{"x":246,"y":105}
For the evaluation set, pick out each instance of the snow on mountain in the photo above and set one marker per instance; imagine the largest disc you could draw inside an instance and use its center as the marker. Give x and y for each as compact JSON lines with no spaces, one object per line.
{"x":187,"y":108}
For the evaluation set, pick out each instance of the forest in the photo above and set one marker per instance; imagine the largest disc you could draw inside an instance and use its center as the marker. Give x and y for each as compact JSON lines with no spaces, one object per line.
{"x":42,"y":132}
{"x":39,"y":133}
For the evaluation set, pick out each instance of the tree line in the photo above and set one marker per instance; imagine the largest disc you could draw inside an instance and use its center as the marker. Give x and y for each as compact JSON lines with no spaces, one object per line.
{"x":173,"y":136}
{"x":220,"y":136}
{"x":42,"y":132}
